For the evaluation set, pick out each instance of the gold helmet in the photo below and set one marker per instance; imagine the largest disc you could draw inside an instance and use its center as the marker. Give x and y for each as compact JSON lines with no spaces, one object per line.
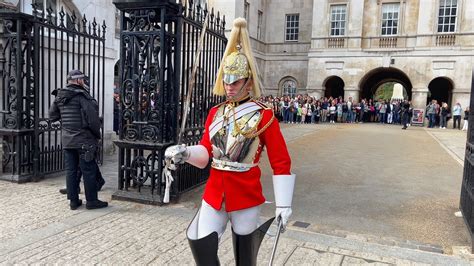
{"x":236,"y":66}
{"x":238,"y":61}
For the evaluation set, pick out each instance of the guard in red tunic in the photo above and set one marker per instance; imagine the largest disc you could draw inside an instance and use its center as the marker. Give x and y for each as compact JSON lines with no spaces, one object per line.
{"x":236,"y":132}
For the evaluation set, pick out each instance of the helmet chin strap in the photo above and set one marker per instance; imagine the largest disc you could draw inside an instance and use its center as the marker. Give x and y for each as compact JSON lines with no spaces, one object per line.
{"x":241,"y":94}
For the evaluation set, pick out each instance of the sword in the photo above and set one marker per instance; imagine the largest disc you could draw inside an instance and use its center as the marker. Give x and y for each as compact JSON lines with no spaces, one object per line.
{"x":277,"y":237}
{"x":167,"y":176}
{"x":187,"y":103}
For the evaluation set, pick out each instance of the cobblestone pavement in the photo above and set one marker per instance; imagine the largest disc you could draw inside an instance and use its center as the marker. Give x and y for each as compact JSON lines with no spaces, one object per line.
{"x":37,"y":227}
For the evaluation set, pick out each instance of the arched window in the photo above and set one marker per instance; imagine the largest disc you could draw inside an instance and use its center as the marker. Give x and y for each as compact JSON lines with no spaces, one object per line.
{"x":288,"y":87}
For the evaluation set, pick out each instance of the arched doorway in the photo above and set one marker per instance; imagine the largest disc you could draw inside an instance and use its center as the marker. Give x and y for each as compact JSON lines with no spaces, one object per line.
{"x":379,"y":76}
{"x":440,"y":89}
{"x":334,"y":87}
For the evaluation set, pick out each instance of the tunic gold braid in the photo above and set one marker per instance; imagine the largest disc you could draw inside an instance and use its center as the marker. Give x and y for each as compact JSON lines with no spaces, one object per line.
{"x":252,"y":132}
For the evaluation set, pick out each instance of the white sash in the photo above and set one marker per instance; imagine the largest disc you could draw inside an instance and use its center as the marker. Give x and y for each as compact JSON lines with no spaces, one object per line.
{"x":240,"y":111}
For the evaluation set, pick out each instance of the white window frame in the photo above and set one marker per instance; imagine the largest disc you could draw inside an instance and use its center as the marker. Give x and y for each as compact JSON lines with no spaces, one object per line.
{"x":27,"y":8}
{"x":392,"y":17}
{"x":446,"y":17}
{"x":285,"y":89}
{"x":339,"y":18}
{"x":292,"y":26}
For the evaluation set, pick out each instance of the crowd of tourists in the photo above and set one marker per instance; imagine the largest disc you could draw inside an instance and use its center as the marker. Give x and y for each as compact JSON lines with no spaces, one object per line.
{"x":439,"y":114}
{"x":310,"y":110}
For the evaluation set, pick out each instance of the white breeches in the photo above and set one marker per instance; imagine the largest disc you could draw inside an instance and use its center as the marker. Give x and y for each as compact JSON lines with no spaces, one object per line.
{"x":209,"y":220}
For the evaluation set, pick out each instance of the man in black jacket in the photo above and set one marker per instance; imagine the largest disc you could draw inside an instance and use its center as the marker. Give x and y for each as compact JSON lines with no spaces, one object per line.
{"x":80,"y":122}
{"x":405,"y":114}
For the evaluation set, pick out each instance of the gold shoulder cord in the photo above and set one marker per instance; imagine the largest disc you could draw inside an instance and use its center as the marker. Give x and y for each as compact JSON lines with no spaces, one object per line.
{"x":250,"y":133}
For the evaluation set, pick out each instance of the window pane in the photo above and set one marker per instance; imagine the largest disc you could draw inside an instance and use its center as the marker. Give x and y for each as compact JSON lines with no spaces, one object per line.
{"x":451,"y":28}
{"x":453,"y":20}
{"x":453,"y":11}
{"x":440,"y":28}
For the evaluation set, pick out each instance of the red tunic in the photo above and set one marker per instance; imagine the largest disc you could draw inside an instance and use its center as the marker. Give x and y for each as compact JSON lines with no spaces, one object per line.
{"x":241,"y":190}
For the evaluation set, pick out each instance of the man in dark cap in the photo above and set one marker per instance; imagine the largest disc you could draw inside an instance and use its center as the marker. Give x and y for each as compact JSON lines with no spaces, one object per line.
{"x":99,"y":178}
{"x":78,"y":113}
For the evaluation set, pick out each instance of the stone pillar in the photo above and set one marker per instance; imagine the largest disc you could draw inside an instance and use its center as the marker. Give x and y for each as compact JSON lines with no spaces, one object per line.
{"x":462,"y":97}
{"x":351,"y":92}
{"x":316,"y":93}
{"x":419,"y":97}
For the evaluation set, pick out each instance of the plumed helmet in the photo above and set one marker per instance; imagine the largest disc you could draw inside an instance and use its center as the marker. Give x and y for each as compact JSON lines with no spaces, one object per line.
{"x":238,"y":61}
{"x":236,"y":66}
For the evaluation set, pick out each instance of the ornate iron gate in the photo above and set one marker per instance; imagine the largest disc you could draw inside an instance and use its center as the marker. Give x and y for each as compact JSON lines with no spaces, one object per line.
{"x":159,"y":40}
{"x":36,"y":53}
{"x":467,"y":187}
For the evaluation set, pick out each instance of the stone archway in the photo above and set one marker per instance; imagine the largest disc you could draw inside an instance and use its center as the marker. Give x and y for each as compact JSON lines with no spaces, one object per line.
{"x":441,"y":89}
{"x":334,"y":86}
{"x":378,"y":76}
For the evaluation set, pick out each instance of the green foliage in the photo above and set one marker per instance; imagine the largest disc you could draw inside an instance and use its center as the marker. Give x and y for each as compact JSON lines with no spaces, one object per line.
{"x":384,"y":91}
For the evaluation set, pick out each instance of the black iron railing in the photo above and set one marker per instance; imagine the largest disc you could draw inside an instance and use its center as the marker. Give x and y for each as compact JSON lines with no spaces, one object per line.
{"x":159,"y":41}
{"x":467,"y":187}
{"x":36,"y":53}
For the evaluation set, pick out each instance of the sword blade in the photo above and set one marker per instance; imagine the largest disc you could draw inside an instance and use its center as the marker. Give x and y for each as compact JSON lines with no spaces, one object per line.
{"x":277,"y":237}
{"x":192,"y":81}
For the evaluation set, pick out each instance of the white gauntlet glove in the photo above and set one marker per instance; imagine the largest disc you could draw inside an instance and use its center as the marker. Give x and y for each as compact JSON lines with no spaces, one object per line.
{"x":283,"y":185}
{"x":196,"y":155}
{"x":284,"y":214}
{"x":177,"y":154}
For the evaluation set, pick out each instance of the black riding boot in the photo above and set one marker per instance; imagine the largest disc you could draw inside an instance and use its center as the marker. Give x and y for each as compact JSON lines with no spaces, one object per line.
{"x":205,"y":250}
{"x":246,"y":246}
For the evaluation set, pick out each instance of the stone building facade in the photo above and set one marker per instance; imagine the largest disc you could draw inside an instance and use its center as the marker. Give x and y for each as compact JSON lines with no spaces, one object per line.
{"x":334,"y":47}
{"x":350,"y":47}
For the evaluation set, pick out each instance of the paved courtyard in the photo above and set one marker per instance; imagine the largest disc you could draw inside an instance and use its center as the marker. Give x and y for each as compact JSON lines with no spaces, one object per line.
{"x":355,"y":213}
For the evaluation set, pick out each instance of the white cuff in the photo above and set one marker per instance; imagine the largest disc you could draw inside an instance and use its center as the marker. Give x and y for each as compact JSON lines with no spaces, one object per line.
{"x":198,"y":156}
{"x":283,"y":186}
